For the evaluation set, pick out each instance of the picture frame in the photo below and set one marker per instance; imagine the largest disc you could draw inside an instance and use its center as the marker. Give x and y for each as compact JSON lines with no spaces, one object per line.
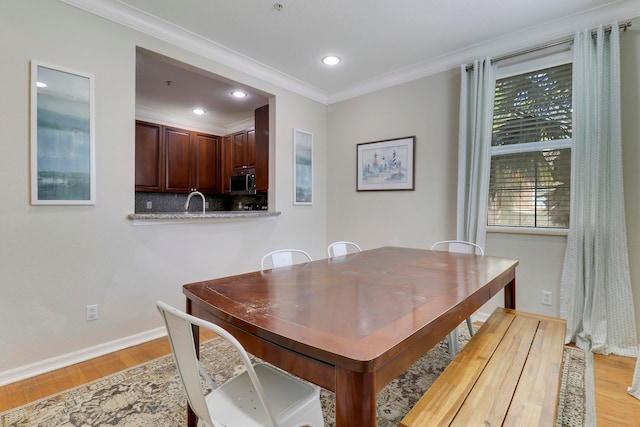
{"x":62,"y":136}
{"x":386,"y":165}
{"x":302,"y":167}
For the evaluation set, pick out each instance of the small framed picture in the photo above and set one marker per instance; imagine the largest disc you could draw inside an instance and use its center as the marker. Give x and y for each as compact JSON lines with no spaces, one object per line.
{"x":303,"y":167}
{"x":386,"y":165}
{"x":62,"y":137}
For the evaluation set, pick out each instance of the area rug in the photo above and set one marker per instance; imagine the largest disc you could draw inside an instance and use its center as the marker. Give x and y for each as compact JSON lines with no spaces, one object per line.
{"x":151,"y":394}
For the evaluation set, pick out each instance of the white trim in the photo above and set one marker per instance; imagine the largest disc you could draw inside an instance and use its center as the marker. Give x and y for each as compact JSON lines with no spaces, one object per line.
{"x":528,"y":230}
{"x":538,"y":63}
{"x":528,"y":147}
{"x":553,"y":30}
{"x":64,"y":360}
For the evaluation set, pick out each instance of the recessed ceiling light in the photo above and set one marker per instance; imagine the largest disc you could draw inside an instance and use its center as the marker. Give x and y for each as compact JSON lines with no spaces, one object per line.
{"x":331,"y":60}
{"x":239,"y":94}
{"x":198,"y":111}
{"x":41,"y":84}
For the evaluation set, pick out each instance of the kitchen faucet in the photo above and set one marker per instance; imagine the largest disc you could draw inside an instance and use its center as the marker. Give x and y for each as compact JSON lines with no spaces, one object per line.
{"x":194,"y":193}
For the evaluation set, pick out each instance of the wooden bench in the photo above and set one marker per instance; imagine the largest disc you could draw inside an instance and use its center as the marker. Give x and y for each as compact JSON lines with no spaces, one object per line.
{"x":508,"y":374}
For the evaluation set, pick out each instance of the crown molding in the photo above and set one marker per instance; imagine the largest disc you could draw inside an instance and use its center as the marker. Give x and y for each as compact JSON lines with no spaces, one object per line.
{"x":115,"y":11}
{"x":133,"y":18}
{"x":514,"y":42}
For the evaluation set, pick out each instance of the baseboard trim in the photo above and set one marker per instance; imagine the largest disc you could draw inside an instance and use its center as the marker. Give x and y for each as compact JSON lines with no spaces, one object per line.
{"x":64,"y":360}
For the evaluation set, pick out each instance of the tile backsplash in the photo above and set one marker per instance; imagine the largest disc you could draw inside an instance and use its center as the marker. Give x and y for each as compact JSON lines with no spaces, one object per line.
{"x":174,"y":202}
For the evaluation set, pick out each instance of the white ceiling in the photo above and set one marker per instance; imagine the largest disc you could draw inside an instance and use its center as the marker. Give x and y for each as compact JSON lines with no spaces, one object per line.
{"x":382,"y":43}
{"x":168,"y":90}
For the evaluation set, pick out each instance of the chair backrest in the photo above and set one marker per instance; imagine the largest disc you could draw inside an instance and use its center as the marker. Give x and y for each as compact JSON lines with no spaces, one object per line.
{"x":282,"y":257}
{"x":459,"y":246}
{"x":341,"y":248}
{"x":180,"y":331}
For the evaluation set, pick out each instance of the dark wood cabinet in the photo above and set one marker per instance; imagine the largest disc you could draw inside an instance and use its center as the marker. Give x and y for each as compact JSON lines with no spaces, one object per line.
{"x":177,"y":148}
{"x":226,"y":162}
{"x":205,"y":163}
{"x":248,"y":149}
{"x":239,"y":149}
{"x":149,"y":157}
{"x":261,"y":148}
{"x":176,"y":160}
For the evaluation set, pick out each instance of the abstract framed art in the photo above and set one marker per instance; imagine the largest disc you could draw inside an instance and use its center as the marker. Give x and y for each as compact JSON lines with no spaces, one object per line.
{"x":62,"y":136}
{"x":386,"y":165}
{"x":303,"y":167}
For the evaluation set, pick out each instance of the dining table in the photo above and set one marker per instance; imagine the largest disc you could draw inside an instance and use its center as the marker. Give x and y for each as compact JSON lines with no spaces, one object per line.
{"x":352,"y":324}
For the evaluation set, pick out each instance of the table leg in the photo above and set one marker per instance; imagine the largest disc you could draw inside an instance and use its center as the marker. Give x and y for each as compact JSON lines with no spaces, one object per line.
{"x":510,"y":294}
{"x":355,"y":399}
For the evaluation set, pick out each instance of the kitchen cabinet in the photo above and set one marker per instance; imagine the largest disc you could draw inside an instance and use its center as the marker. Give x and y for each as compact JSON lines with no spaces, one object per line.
{"x":173,"y":160}
{"x":149,"y":157}
{"x":248,"y":149}
{"x":261,"y":148}
{"x":226,"y":162}
{"x":244,"y":152}
{"x":177,"y":148}
{"x":205,"y":163}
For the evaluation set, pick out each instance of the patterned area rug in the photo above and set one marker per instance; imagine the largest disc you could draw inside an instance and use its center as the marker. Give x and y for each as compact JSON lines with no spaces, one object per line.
{"x":151,"y":394}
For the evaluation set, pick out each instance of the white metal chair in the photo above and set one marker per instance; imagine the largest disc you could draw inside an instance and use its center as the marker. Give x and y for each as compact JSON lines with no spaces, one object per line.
{"x":342,"y":248}
{"x":260,"y":396}
{"x":459,"y":246}
{"x":282,"y":257}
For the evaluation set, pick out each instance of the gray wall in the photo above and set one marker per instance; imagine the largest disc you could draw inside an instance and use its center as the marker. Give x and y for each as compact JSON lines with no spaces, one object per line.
{"x":57,"y":259}
{"x":428,"y":109}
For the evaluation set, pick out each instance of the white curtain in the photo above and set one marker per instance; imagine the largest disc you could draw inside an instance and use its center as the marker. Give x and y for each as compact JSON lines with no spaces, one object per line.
{"x":596,"y":297}
{"x":476,"y":117}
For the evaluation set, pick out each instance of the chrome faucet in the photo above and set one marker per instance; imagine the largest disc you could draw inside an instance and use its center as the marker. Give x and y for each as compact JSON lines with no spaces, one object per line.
{"x":194,"y":193}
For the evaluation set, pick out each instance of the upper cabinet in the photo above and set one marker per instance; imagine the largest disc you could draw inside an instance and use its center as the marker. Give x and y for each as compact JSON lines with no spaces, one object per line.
{"x":243,"y":154}
{"x":261,"y":148}
{"x":206,"y":163}
{"x":248,"y":149}
{"x":149,"y":157}
{"x":175,"y":160}
{"x":178,"y":160}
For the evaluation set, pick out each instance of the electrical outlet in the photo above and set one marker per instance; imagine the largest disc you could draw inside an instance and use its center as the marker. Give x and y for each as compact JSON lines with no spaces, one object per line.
{"x":206,"y":205}
{"x":92,"y":312}
{"x":546,"y":298}
{"x":149,"y":204}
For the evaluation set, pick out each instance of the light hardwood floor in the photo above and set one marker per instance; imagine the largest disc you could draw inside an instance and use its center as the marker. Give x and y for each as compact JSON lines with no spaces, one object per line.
{"x":613,"y":374}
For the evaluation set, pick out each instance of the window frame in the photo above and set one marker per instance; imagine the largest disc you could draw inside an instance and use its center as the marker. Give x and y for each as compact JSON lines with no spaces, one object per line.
{"x":525,"y":65}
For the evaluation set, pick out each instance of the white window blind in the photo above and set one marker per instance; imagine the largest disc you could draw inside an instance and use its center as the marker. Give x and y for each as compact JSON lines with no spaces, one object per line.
{"x":530,"y":176}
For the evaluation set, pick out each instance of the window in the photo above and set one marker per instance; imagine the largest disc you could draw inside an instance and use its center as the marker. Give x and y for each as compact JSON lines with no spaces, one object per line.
{"x":530,"y":176}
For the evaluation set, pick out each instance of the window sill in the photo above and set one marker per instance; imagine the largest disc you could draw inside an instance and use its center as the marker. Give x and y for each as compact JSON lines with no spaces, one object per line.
{"x":529,"y":230}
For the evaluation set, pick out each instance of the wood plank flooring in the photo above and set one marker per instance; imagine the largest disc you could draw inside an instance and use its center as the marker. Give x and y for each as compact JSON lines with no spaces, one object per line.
{"x":613,"y":374}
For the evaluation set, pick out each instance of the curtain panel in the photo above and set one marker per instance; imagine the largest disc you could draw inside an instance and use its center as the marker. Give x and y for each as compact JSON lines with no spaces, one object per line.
{"x":596,"y":297}
{"x":476,"y":118}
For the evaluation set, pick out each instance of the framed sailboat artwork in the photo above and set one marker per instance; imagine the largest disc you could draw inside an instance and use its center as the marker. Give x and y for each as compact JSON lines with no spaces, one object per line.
{"x":386,"y":165}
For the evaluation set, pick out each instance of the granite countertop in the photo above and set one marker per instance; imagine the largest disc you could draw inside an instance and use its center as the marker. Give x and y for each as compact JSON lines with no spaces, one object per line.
{"x":208,"y":215}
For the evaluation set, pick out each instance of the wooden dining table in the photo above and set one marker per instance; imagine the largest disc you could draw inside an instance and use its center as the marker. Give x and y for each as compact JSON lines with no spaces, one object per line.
{"x":354,"y":323}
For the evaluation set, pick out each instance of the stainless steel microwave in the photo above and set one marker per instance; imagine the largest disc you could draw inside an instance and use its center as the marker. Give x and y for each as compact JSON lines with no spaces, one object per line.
{"x":243,"y":182}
